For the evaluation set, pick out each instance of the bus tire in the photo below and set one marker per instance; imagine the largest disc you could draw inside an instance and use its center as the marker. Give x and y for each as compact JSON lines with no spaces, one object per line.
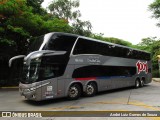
{"x":137,"y":83}
{"x":74,"y":92}
{"x":91,"y":89}
{"x":142,"y":83}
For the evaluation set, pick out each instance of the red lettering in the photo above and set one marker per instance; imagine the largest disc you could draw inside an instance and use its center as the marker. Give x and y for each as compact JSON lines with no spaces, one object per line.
{"x":141,"y":66}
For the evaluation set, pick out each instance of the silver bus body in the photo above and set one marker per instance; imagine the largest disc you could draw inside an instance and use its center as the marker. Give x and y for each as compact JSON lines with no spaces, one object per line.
{"x":51,"y":73}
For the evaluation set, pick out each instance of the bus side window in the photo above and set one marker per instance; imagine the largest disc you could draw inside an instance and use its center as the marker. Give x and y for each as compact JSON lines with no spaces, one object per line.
{"x":60,"y":42}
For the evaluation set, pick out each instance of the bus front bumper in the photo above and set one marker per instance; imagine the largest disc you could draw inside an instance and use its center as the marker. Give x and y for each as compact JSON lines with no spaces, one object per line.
{"x":28,"y":94}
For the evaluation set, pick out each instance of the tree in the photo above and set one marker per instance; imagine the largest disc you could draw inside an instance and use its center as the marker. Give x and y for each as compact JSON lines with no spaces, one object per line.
{"x":111,"y":39}
{"x":82,"y":27}
{"x":152,"y":45}
{"x":67,"y":10}
{"x":63,"y":9}
{"x":155,"y":8}
{"x":20,"y":22}
{"x":10,"y":10}
{"x":146,"y":43}
{"x":118,"y":41}
{"x":36,"y":6}
{"x":155,"y":51}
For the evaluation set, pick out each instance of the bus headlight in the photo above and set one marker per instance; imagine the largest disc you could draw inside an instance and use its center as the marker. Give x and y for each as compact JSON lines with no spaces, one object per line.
{"x":29,"y":89}
{"x":26,"y":90}
{"x":32,"y":89}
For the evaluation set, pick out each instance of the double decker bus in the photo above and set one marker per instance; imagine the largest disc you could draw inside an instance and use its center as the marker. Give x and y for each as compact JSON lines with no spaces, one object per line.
{"x":67,"y":65}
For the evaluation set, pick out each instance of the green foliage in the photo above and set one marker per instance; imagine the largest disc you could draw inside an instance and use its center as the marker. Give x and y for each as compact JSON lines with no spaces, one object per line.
{"x":155,"y":8}
{"x":12,"y":7}
{"x":146,"y":43}
{"x":151,"y":45}
{"x":57,"y":26}
{"x":82,"y":28}
{"x":63,"y":9}
{"x":6,"y":42}
{"x":98,"y":36}
{"x":155,"y":73}
{"x":66,"y":10}
{"x":36,"y":6}
{"x":18,"y":30}
{"x":19,"y":21}
{"x":111,"y":39}
{"x":1,"y":30}
{"x":118,"y":41}
{"x":155,"y":51}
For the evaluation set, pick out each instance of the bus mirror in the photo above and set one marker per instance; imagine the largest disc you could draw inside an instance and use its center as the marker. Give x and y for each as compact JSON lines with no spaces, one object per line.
{"x":14,"y":58}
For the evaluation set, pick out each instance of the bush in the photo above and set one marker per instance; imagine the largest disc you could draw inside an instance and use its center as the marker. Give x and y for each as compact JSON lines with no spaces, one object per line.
{"x":155,"y":73}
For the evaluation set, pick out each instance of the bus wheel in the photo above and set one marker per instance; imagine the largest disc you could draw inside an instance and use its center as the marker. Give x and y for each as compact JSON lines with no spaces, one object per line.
{"x":74,"y":92}
{"x":137,"y":83}
{"x":91,"y":89}
{"x":142,"y":83}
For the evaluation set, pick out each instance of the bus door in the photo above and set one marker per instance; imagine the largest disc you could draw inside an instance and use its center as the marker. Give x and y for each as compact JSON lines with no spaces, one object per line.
{"x":48,"y":78}
{"x":52,"y":81}
{"x":53,"y":88}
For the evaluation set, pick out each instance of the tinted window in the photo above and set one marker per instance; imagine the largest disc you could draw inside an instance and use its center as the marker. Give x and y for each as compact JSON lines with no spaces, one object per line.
{"x":51,"y":71}
{"x":101,"y":71}
{"x":53,"y":66}
{"x":85,"y":46}
{"x":35,"y":43}
{"x":59,"y":42}
{"x":140,"y":55}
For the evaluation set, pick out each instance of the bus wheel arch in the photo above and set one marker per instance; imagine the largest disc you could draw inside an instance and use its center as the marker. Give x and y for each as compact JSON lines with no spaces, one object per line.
{"x":74,"y":91}
{"x":91,"y":89}
{"x":137,"y":82}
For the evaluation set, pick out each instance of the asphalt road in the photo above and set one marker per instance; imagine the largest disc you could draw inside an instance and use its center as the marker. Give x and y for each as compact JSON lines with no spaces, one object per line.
{"x":127,"y":99}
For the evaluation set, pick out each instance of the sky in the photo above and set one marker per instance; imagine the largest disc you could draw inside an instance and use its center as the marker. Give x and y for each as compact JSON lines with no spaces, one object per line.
{"x":129,"y":20}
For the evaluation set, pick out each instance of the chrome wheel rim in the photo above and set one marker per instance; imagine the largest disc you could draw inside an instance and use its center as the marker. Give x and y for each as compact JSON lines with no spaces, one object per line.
{"x":90,"y":89}
{"x":137,"y":83}
{"x":73,"y":92}
{"x":142,"y":82}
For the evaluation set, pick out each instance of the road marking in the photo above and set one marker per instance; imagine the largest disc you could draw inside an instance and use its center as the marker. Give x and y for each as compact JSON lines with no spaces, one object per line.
{"x":141,"y":104}
{"x":112,"y":101}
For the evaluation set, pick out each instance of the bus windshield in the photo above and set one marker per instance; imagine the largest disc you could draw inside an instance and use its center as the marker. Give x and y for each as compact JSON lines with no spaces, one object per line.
{"x":56,"y":42}
{"x":43,"y":68}
{"x":31,"y":72}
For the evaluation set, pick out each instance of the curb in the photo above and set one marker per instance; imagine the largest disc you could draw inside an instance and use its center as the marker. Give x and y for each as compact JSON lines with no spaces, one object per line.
{"x":156,"y":80}
{"x":14,"y":87}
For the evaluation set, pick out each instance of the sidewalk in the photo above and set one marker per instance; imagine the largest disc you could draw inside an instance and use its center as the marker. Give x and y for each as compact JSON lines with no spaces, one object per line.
{"x":156,"y":79}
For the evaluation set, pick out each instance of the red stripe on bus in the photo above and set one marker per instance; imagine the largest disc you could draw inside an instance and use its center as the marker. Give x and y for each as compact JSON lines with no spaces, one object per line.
{"x":88,"y":78}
